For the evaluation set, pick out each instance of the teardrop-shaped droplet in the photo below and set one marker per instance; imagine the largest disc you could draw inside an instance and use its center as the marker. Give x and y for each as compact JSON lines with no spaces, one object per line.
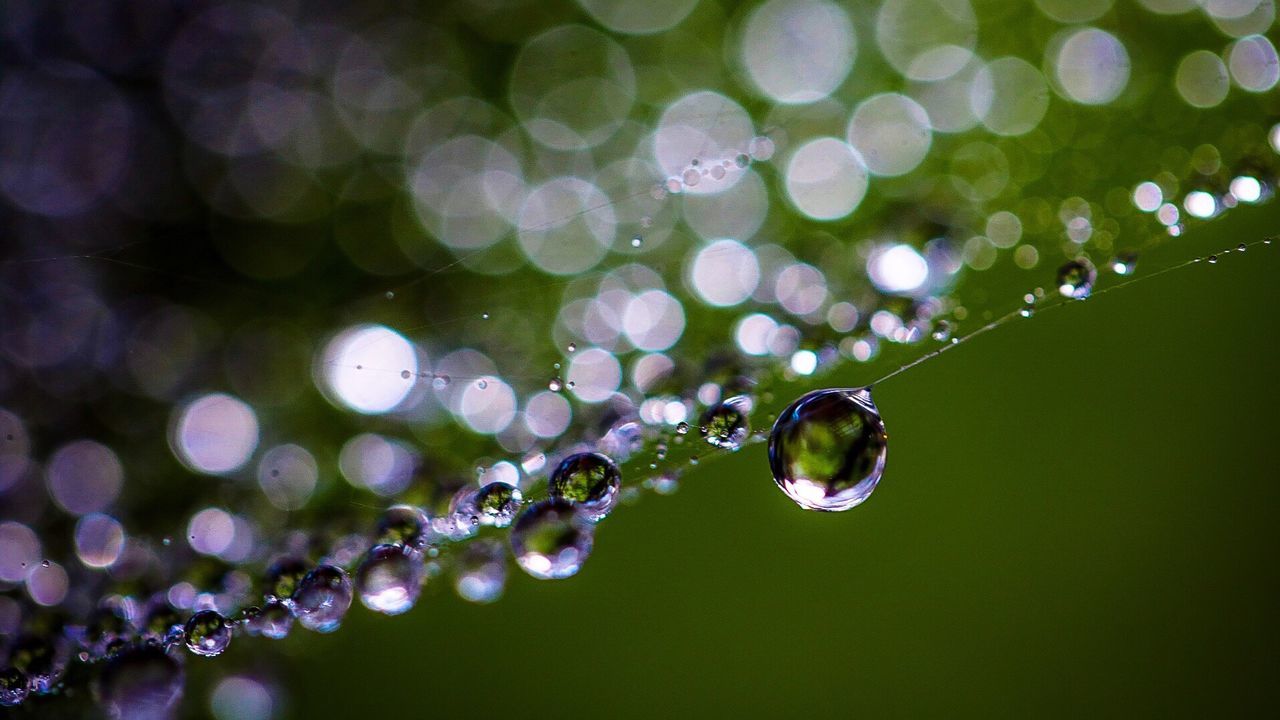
{"x":390,"y":579}
{"x":322,"y":599}
{"x":725,"y":425}
{"x":497,"y":503}
{"x":827,"y":450}
{"x":1076,"y":279}
{"x":589,"y":481}
{"x":207,"y":633}
{"x":551,"y":539}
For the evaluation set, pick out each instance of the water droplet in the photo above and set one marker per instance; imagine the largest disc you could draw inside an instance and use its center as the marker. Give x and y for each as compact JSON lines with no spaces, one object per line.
{"x":1027,"y":310}
{"x":404,"y":524}
{"x":827,"y":450}
{"x":691,"y":177}
{"x":484,"y":316}
{"x":637,"y":241}
{"x":406,"y":374}
{"x":573,"y":347}
{"x":682,"y":428}
{"x":482,"y":384}
{"x":480,"y":573}
{"x":742,"y":160}
{"x":273,"y":622}
{"x":551,"y":539}
{"x":661,"y":451}
{"x":1213,"y":258}
{"x":1124,"y":263}
{"x":207,"y":633}
{"x":44,"y":563}
{"x":588,"y":480}
{"x":724,"y":425}
{"x":390,"y":579}
{"x":1242,"y":247}
{"x":942,"y":331}
{"x":717,"y":172}
{"x":1076,"y":278}
{"x":140,"y":681}
{"x":322,"y":599}
{"x":571,"y":384}
{"x":556,"y":384}
{"x":497,"y":503}
{"x":284,"y":575}
{"x":13,"y":687}
{"x":391,"y":295}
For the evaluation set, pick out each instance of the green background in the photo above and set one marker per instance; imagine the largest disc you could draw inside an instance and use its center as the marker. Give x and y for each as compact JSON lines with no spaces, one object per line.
{"x":1078,"y":518}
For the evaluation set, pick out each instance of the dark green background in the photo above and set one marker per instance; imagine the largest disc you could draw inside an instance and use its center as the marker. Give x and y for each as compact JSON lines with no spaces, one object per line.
{"x":1078,"y":518}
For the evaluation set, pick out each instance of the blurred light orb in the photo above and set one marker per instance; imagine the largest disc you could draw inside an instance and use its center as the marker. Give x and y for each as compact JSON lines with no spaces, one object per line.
{"x":19,"y":550}
{"x":572,"y":87}
{"x":287,"y":475}
{"x":361,"y":368}
{"x":84,"y":476}
{"x":211,"y":531}
{"x":375,"y":463}
{"x":1090,"y":65}
{"x":1009,"y":96}
{"x":466,"y":190}
{"x":1148,"y":196}
{"x":638,"y":17}
{"x":737,"y":212}
{"x":241,"y":698}
{"x":898,"y":269}
{"x":593,"y":375}
{"x":926,"y":39}
{"x":566,"y":226}
{"x":547,"y":414}
{"x":804,"y":362}
{"x":1201,"y":204}
{"x":752,"y":333}
{"x":653,"y":320}
{"x":724,"y":273}
{"x":47,"y":583}
{"x":1254,"y":64}
{"x":705,"y":127}
{"x":99,"y":540}
{"x":488,"y":405}
{"x":1202,"y":79}
{"x":1074,"y":11}
{"x":891,"y":133}
{"x":1246,"y":189}
{"x":826,"y":179}
{"x":798,"y":51}
{"x":801,"y":289}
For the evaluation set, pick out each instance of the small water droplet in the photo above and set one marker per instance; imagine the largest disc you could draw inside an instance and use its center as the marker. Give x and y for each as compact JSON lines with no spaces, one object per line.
{"x":45,"y":563}
{"x":497,"y":503}
{"x":571,"y":384}
{"x":484,"y":316}
{"x":724,"y":425}
{"x":572,"y":347}
{"x":391,"y":295}
{"x":1076,"y":279}
{"x":322,"y":599}
{"x":482,"y":384}
{"x":1213,"y":258}
{"x":827,"y":449}
{"x":637,"y":241}
{"x":1124,"y":263}
{"x":1242,"y":247}
{"x":556,"y":384}
{"x":691,"y":177}
{"x":406,"y":374}
{"x":942,"y":331}
{"x":682,"y":428}
{"x":1027,"y":310}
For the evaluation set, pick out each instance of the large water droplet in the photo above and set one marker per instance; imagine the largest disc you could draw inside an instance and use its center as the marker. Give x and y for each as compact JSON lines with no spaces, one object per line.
{"x":284,"y":575}
{"x":827,"y":450}
{"x":322,"y":599}
{"x":1076,"y":278}
{"x":403,"y":524}
{"x":390,"y":579}
{"x":551,"y":539}
{"x":140,"y":681}
{"x":588,"y":480}
{"x":207,"y":633}
{"x":725,"y":425}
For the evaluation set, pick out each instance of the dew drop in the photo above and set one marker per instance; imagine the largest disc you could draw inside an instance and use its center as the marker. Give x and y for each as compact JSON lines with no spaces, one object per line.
{"x":273,"y":622}
{"x":391,"y":295}
{"x":1124,"y":263}
{"x":573,"y":347}
{"x":1027,"y":310}
{"x":942,"y":331}
{"x":827,"y":450}
{"x":724,"y":425}
{"x":556,"y":384}
{"x":207,"y":633}
{"x":589,"y":481}
{"x":742,"y":160}
{"x":636,"y":241}
{"x":1242,"y":247}
{"x":284,"y":576}
{"x":44,"y":563}
{"x":1076,"y":278}
{"x":322,"y":599}
{"x":497,"y":503}
{"x":691,"y":177}
{"x":551,"y":539}
{"x":482,"y":384}
{"x":406,"y":374}
{"x":1213,"y":258}
{"x":682,"y":428}
{"x":390,"y":578}
{"x":484,"y":316}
